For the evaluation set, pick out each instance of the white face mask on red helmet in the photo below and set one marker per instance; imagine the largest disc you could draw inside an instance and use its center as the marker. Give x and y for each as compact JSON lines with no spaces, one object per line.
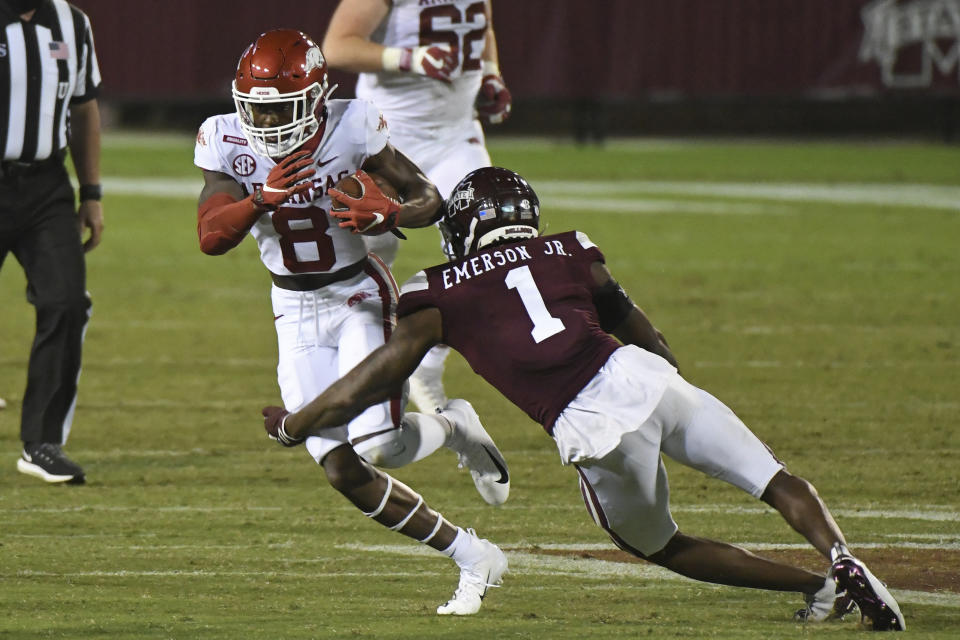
{"x":284,"y":74}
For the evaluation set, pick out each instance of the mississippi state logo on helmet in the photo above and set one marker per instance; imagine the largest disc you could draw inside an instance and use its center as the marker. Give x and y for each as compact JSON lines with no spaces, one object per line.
{"x":490,"y":205}
{"x":280,"y":90}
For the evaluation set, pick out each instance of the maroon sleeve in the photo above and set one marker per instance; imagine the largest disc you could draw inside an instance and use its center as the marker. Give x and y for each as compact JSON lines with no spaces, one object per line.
{"x":415,"y":295}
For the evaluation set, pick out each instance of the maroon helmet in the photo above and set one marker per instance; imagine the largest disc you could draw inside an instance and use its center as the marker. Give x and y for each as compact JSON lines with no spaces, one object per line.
{"x":282,"y":76}
{"x":489,"y":206}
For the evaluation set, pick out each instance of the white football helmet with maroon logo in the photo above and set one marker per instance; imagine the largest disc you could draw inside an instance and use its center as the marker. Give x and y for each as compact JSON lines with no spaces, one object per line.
{"x":489,"y":206}
{"x":280,"y":91}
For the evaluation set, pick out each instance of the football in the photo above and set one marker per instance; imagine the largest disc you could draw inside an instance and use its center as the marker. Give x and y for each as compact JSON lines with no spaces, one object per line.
{"x":351,"y":186}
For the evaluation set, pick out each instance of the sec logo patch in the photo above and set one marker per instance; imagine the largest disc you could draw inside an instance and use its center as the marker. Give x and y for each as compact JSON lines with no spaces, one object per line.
{"x":244,"y":165}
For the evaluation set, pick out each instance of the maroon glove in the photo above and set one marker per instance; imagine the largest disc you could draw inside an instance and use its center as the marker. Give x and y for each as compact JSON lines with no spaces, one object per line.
{"x":372,"y":213}
{"x":273,"y":421}
{"x":282,"y":181}
{"x":437,"y":61}
{"x":494,"y":99}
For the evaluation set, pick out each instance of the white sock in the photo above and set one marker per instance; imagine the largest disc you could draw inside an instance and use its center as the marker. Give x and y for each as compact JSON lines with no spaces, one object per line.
{"x":839,"y":549}
{"x":435,"y":357}
{"x":465,"y":548}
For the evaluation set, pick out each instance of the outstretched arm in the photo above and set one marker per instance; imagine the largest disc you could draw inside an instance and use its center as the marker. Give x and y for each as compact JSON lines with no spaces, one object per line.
{"x":624,"y":319}
{"x":374,"y":380}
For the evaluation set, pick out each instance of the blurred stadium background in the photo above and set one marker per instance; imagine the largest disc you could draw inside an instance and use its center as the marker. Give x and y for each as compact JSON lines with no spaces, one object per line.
{"x":597,"y":69}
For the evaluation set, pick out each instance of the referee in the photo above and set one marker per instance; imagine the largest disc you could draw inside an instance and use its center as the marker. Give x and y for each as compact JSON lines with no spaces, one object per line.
{"x":49,"y":79}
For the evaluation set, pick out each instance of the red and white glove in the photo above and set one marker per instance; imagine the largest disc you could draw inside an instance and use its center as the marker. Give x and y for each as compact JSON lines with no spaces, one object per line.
{"x":494,"y":100}
{"x":274,"y":419}
{"x":437,"y":61}
{"x":286,"y":180}
{"x":372,"y":213}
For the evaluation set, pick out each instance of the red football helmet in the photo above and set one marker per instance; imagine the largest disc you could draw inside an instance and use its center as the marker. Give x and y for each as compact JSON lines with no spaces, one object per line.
{"x":489,"y":206}
{"x":280,"y":91}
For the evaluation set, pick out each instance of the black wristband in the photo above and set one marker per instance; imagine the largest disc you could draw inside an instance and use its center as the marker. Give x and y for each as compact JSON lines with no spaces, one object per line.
{"x":258,"y":198}
{"x":90,"y":192}
{"x":613,"y":305}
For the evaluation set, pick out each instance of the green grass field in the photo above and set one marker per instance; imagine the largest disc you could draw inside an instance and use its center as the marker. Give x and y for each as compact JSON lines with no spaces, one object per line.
{"x":813,"y":287}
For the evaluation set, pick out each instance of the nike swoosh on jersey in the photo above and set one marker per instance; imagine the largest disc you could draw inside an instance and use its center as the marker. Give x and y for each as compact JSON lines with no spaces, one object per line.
{"x":504,"y":475}
{"x":322,"y":163}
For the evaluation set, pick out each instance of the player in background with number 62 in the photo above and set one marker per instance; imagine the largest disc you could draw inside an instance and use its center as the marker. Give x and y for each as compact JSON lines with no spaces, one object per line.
{"x":269,"y":170}
{"x":433,"y":70}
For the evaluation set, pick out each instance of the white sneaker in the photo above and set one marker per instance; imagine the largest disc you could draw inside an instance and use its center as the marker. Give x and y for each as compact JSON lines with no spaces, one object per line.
{"x":426,"y":389}
{"x":3,"y":403}
{"x":477,"y":452}
{"x":475,"y":580}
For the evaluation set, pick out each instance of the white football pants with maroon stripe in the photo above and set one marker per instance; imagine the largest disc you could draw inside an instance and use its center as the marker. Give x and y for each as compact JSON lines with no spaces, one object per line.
{"x":322,"y":334}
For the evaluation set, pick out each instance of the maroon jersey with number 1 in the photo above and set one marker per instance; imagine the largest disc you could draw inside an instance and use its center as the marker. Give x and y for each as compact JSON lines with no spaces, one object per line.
{"x":522,"y":315}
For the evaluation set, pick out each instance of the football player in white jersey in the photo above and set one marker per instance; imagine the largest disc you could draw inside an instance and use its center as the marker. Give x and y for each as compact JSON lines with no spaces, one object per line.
{"x":267,"y":170}
{"x":433,"y":70}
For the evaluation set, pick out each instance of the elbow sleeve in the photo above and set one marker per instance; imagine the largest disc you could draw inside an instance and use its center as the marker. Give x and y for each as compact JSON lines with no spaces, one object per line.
{"x":222,"y":222}
{"x":613,"y":305}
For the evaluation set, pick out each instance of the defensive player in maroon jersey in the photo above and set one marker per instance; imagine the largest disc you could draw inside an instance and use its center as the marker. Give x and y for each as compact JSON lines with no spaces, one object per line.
{"x":544,"y":322}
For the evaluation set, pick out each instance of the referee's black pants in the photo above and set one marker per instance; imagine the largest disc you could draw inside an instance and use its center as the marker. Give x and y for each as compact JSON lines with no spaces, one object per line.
{"x":39,"y":225}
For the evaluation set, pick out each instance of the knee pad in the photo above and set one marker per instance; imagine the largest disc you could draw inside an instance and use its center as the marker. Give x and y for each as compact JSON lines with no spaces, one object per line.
{"x":388,"y":450}
{"x":419,"y":435}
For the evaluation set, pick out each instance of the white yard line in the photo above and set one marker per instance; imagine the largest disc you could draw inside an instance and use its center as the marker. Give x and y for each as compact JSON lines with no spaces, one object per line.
{"x":522,"y":562}
{"x":799,"y":364}
{"x":525,"y":563}
{"x":911,"y":195}
{"x":143,"y":508}
{"x":609,"y":196}
{"x":522,"y":546}
{"x":761,"y":546}
{"x":606,"y":204}
{"x":929,"y":514}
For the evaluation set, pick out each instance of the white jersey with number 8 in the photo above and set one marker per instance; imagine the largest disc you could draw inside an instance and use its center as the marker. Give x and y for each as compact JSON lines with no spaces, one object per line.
{"x":301,"y":236}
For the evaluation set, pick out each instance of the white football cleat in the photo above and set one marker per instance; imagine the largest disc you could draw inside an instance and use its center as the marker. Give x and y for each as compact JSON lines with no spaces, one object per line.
{"x":475,"y":579}
{"x":477,"y":452}
{"x":426,"y":389}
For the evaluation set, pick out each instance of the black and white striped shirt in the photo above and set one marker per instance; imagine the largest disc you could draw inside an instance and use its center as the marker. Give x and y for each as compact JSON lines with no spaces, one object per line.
{"x":43,"y":63}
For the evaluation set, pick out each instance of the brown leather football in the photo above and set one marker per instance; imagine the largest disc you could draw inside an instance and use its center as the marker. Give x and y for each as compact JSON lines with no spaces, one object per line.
{"x":351,"y":186}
